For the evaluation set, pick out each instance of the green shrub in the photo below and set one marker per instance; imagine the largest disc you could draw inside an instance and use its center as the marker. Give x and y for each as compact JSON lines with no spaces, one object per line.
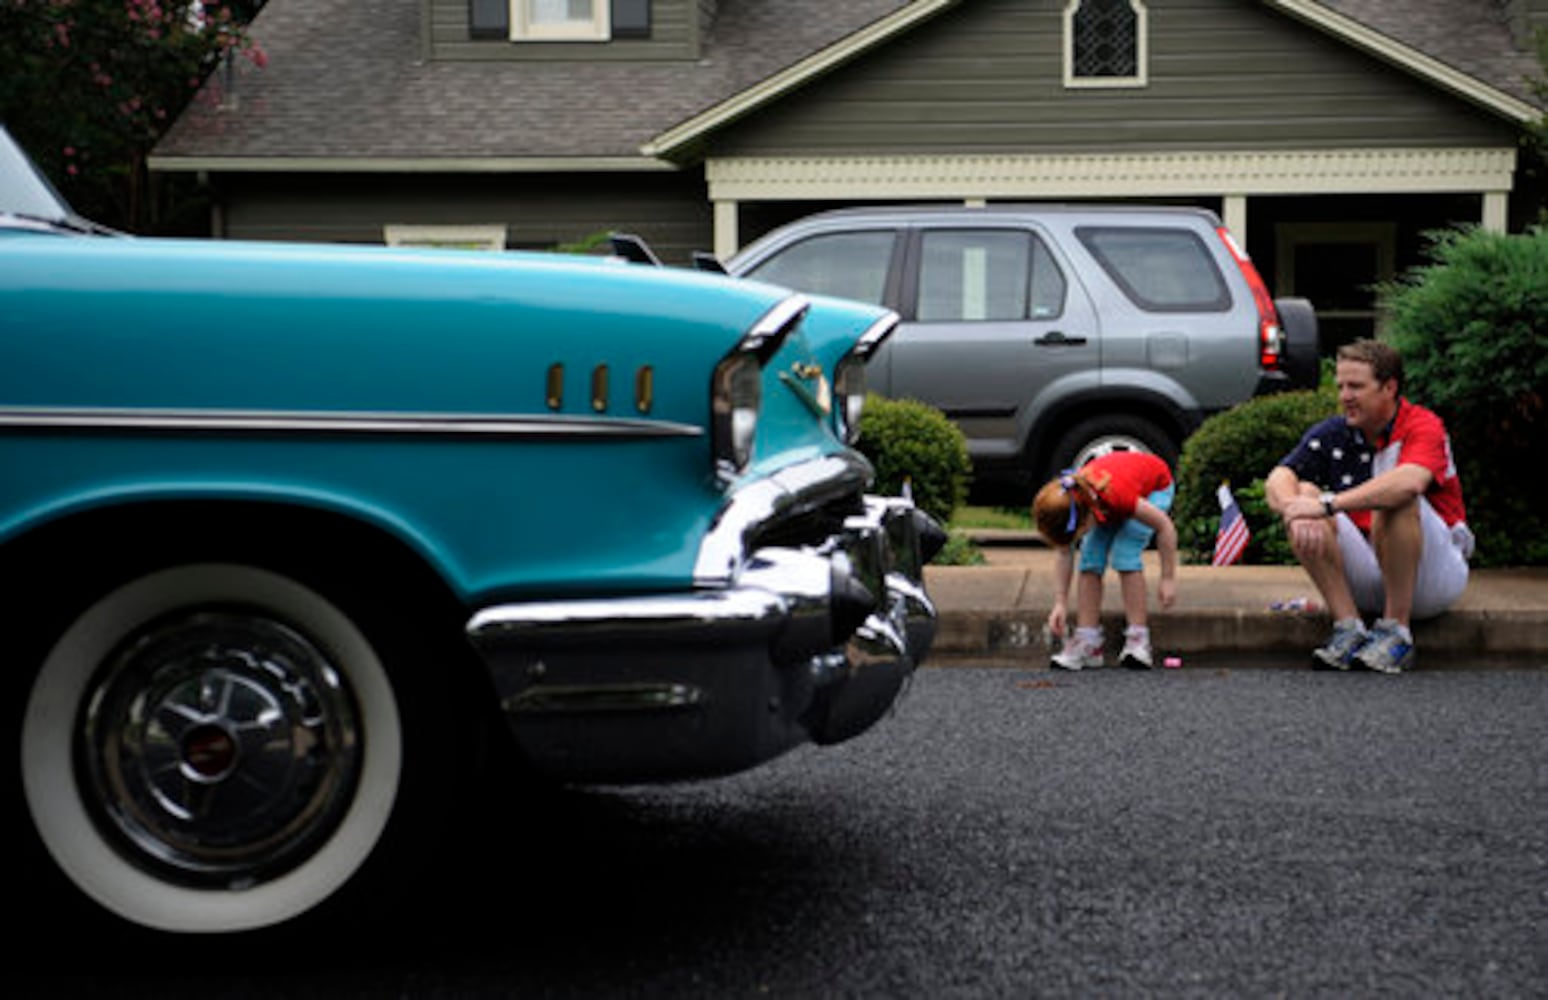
{"x":1240,"y":447}
{"x":1473,"y":330}
{"x":908,"y":441}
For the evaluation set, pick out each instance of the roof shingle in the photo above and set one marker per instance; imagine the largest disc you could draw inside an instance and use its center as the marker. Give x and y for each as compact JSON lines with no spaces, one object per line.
{"x":347,"y":79}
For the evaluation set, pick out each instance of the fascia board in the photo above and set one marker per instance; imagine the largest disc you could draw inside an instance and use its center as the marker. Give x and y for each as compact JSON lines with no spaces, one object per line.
{"x":786,"y":80}
{"x":407,"y":165}
{"x":1385,"y":47}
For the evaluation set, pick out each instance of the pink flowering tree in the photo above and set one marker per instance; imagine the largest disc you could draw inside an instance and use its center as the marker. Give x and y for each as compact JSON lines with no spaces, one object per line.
{"x":89,"y":86}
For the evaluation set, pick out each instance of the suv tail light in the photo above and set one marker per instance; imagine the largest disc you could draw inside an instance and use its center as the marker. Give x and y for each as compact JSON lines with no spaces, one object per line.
{"x":1271,"y":338}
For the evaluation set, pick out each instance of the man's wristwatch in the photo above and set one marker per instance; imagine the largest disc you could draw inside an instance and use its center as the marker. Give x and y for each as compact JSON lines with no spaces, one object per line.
{"x":1327,"y":504}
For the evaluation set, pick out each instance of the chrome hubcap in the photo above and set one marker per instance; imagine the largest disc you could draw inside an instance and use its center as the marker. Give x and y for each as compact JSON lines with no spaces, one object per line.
{"x":1106,"y":445}
{"x":219,"y":748}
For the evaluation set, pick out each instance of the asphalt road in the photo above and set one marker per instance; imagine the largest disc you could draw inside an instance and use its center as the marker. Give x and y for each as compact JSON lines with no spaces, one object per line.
{"x":1202,"y":832}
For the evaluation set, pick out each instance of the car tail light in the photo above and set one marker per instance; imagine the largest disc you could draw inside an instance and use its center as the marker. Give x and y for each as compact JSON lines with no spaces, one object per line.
{"x":1271,"y":338}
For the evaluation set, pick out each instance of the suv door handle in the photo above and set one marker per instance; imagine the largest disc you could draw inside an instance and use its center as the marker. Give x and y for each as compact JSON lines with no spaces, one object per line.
{"x":1056,"y":338}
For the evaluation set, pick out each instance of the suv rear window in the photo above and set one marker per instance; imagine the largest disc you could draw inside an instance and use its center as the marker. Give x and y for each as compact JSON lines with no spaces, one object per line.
{"x":844,"y":265}
{"x":1161,"y":270}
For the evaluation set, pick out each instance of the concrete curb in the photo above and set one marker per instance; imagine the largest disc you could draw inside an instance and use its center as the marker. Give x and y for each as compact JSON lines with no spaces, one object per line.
{"x":995,"y":614}
{"x":1461,"y":638}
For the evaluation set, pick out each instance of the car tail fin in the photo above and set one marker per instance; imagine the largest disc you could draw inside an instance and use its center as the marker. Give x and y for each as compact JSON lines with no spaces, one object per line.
{"x":1271,"y":340}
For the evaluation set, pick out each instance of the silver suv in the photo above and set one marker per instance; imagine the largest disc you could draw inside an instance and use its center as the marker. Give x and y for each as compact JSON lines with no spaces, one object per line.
{"x":1051,"y":333}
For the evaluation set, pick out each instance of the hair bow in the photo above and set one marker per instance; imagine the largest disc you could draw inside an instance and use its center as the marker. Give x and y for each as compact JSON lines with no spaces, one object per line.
{"x":1067,"y":482}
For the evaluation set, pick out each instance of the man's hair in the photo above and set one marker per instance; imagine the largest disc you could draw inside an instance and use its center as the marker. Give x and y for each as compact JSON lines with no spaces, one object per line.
{"x":1386,"y":363}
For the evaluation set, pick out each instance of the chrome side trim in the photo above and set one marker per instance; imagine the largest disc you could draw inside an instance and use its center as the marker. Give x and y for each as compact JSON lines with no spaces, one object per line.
{"x":119,"y":420}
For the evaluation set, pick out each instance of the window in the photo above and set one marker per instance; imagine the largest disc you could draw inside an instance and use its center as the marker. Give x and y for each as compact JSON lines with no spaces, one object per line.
{"x":1161,"y":270}
{"x":987,"y":275}
{"x":1105,"y":43}
{"x":558,"y":20}
{"x":549,"y":20}
{"x":476,"y":237}
{"x":846,"y":265}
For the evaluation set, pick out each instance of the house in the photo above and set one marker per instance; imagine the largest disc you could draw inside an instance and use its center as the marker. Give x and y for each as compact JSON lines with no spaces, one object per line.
{"x":1330,"y":134}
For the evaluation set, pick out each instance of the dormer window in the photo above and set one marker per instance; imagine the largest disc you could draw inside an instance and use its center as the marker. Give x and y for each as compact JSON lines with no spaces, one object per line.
{"x":559,"y":20}
{"x":1104,"y":43}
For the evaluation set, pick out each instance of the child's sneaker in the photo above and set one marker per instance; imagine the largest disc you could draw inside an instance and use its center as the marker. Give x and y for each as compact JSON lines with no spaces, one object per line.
{"x":1390,"y":649}
{"x":1078,"y":652}
{"x":1339,"y":652}
{"x":1136,"y":652}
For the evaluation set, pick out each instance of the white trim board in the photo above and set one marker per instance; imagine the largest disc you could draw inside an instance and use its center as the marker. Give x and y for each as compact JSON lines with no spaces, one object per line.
{"x":1261,"y":172}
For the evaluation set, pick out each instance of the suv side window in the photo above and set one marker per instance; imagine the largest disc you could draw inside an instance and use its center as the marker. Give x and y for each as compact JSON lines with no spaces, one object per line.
{"x":845,"y":265}
{"x":987,"y":275}
{"x":1160,"y":270}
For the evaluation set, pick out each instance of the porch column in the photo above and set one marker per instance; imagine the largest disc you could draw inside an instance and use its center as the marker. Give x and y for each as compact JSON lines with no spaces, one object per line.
{"x":1233,"y":209}
{"x":1495,"y":210}
{"x":727,"y":239}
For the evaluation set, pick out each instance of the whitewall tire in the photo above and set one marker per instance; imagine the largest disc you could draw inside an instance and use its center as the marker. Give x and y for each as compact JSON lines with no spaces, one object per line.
{"x":211,"y":748}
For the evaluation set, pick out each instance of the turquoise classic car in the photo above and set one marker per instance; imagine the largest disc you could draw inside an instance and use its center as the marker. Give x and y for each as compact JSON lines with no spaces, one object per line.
{"x":294,"y":535}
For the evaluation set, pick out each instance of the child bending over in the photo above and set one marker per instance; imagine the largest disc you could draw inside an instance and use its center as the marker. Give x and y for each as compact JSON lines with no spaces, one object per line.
{"x":1114,"y":505}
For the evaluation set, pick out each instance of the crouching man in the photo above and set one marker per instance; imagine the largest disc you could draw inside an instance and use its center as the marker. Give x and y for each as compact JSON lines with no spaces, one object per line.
{"x":1373,"y":510}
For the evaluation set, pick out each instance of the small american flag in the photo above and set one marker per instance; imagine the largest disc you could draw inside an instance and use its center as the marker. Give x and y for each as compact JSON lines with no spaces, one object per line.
{"x":1231,"y":540}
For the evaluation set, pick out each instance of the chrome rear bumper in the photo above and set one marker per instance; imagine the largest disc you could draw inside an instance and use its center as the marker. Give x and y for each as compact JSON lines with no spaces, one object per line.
{"x":797,"y":643}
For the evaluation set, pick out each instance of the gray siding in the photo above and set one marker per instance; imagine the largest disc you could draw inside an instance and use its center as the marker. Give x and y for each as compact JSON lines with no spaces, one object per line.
{"x":540,"y":211}
{"x":988,"y":77}
{"x":674,"y":34}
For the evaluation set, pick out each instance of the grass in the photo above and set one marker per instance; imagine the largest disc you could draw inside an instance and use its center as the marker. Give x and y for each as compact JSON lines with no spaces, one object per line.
{"x":999,"y":518}
{"x":960,"y":549}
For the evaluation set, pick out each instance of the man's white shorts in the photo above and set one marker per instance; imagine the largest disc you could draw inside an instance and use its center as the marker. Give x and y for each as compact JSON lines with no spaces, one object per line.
{"x":1442,"y":565}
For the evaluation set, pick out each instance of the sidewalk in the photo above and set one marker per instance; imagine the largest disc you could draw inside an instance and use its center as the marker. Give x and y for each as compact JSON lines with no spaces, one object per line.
{"x":994,"y":614}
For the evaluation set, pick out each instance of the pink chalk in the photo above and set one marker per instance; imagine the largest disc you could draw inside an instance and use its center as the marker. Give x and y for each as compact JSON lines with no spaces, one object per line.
{"x":1172,"y":662}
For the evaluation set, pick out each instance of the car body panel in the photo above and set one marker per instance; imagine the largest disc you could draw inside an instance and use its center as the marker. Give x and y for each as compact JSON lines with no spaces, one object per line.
{"x":285,"y":524}
{"x":391,"y":442}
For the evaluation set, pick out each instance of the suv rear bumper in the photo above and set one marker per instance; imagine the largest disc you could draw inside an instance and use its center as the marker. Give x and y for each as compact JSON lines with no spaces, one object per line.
{"x":807,"y":643}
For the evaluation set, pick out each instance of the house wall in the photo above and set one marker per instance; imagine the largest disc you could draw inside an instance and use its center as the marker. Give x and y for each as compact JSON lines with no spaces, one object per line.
{"x":674,"y":34}
{"x":539,"y":211}
{"x":988,"y":77}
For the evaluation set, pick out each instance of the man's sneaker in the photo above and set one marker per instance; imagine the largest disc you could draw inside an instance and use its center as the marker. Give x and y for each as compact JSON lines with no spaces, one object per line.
{"x":1077,"y":654}
{"x":1390,"y":650}
{"x":1340,"y":650}
{"x":1136,"y":654}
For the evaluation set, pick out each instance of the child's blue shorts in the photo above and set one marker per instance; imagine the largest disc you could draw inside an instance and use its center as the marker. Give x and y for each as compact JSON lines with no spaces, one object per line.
{"x":1124,"y":542}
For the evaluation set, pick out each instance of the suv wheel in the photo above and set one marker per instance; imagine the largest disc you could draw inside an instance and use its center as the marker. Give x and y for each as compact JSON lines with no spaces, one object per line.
{"x":1101,"y":435}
